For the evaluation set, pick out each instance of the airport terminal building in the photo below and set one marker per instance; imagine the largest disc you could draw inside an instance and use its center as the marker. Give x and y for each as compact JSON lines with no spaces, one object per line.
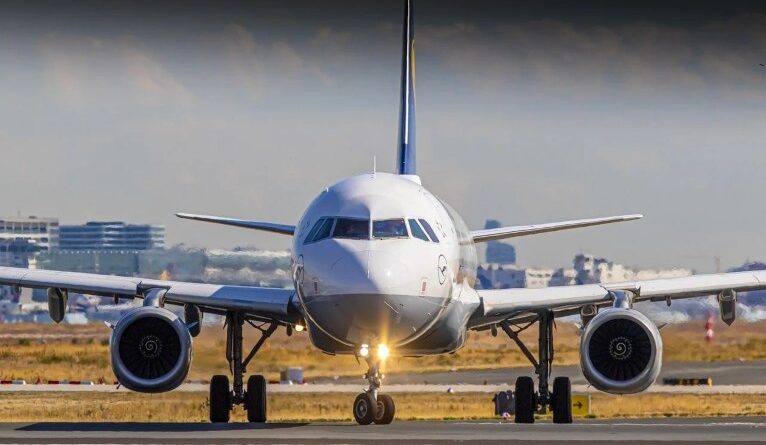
{"x":111,"y":236}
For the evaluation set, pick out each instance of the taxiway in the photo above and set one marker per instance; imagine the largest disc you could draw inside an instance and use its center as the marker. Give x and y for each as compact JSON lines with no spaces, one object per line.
{"x":645,"y":431}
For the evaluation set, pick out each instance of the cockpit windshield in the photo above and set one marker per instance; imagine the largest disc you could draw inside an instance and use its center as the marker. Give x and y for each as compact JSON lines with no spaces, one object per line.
{"x":359,"y":229}
{"x":389,"y":228}
{"x":352,"y":228}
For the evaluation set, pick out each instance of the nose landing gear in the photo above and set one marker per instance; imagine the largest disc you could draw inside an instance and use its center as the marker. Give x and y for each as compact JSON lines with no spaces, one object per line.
{"x":370,"y":406}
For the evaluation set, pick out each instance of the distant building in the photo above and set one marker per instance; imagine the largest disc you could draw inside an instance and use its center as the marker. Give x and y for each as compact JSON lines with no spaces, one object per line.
{"x":563,"y":277}
{"x":591,"y":269}
{"x":42,"y":233}
{"x":587,"y":269}
{"x":111,"y":236}
{"x":753,"y":298}
{"x":103,"y":262}
{"x":499,"y":252}
{"x":20,"y":239}
{"x":15,"y":253}
{"x":505,"y":276}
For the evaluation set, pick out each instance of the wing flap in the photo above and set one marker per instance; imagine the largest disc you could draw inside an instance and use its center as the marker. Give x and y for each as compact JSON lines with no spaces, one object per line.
{"x":480,"y":236}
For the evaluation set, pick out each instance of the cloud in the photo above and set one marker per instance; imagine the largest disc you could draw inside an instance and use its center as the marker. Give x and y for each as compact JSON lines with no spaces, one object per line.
{"x":87,"y":71}
{"x":328,"y":38}
{"x":243,"y":58}
{"x":150,"y":79}
{"x":288,"y":61}
{"x":633,"y":59}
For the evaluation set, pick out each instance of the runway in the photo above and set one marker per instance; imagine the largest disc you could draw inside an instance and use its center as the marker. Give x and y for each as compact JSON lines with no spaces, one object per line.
{"x":355,"y":388}
{"x":710,"y":431}
{"x":728,"y":378}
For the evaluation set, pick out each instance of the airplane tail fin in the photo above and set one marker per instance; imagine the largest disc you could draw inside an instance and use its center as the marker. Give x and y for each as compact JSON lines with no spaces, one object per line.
{"x":406,"y":142}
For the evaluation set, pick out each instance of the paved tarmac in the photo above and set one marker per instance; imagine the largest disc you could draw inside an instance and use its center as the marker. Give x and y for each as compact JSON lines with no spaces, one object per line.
{"x":728,"y":378}
{"x":355,"y":388}
{"x":722,"y":373}
{"x":651,"y":431}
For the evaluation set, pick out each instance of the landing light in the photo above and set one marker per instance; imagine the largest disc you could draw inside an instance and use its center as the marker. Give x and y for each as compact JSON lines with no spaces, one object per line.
{"x":382,"y":351}
{"x":299,"y":328}
{"x":364,"y":351}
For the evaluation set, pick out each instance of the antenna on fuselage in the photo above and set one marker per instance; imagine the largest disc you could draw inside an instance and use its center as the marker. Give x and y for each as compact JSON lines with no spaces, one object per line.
{"x":374,"y":165}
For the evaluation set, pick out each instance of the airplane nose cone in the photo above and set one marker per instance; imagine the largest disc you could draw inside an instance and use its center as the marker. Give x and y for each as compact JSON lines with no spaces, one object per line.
{"x":367,"y":295}
{"x":369,"y":272}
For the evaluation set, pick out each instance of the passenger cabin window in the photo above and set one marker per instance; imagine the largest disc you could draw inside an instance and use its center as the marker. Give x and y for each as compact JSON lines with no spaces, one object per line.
{"x":352,"y":228}
{"x":320,"y":231}
{"x":429,"y":230}
{"x":389,"y":228}
{"x":417,"y":231}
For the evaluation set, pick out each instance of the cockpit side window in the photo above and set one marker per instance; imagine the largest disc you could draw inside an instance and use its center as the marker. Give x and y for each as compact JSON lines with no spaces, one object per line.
{"x":325,"y":230}
{"x":320,"y":231}
{"x":352,"y":228}
{"x":417,"y":231}
{"x":429,"y":230}
{"x":314,"y":230}
{"x":389,"y":228}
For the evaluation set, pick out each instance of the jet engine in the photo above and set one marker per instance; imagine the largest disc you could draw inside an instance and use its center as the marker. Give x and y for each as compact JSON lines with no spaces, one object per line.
{"x":621,"y":351}
{"x":150,"y":350}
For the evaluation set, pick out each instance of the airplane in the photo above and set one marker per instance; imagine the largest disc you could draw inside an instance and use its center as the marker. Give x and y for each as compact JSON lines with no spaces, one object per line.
{"x":382,"y":266}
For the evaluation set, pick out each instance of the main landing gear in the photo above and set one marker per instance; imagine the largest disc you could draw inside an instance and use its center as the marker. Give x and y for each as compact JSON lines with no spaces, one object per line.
{"x":222,"y":398}
{"x":559,"y":400}
{"x":370,"y":406}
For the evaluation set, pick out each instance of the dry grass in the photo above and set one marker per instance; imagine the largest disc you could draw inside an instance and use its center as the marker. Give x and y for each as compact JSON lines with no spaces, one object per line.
{"x":33,"y":352}
{"x":193,"y":407}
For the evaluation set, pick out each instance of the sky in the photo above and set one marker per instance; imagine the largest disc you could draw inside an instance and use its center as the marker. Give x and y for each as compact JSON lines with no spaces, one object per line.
{"x":526,"y":112}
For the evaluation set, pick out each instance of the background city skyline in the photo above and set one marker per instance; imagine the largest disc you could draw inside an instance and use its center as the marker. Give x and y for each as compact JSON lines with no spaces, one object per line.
{"x":525,"y":113}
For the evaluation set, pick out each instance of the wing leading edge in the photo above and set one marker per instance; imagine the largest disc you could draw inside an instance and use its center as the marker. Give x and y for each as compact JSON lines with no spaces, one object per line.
{"x":498,"y":304}
{"x":480,"y":236}
{"x":282,"y":229}
{"x":257,"y":301}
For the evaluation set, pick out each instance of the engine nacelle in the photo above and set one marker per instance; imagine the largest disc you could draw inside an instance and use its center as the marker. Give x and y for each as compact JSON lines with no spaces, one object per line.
{"x":150,"y":350}
{"x":621,"y":351}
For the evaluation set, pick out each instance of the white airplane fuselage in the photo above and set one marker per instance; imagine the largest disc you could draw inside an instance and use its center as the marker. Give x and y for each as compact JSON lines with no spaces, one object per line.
{"x":394,"y":265}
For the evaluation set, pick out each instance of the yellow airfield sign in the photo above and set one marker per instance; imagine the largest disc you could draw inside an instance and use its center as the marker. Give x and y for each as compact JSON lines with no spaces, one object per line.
{"x":580,"y":404}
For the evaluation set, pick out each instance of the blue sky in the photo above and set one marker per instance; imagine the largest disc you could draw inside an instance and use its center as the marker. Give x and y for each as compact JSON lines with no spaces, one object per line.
{"x":525,"y":114}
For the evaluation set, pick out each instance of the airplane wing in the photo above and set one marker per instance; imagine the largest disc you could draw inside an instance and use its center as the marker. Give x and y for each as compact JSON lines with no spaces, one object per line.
{"x":269,"y":303}
{"x":283,"y":229}
{"x":505,"y":304}
{"x":480,"y":236}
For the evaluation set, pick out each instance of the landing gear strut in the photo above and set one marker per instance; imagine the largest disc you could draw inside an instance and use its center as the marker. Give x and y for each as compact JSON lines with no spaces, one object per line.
{"x":223,"y":400}
{"x":370,"y":406}
{"x":527,"y":402}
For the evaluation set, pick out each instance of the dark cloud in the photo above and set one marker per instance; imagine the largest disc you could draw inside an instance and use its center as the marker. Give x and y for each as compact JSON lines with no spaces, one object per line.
{"x":527,"y":112}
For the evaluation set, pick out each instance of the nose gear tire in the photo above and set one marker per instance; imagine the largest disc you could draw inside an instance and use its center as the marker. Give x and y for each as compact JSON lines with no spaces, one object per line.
{"x":385,"y":410}
{"x":365,"y":408}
